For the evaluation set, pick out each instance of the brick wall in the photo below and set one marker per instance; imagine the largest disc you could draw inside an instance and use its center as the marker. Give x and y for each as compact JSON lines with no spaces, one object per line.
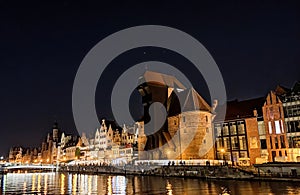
{"x":253,"y":139}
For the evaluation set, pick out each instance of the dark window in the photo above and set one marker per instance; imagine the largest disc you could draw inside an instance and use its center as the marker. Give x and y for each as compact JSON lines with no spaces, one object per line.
{"x":287,"y":124}
{"x":280,"y":153}
{"x":294,"y":126}
{"x":297,"y":126}
{"x":282,"y":141}
{"x":290,"y":142}
{"x":263,"y":144}
{"x":279,"y":112}
{"x":273,"y":155}
{"x":276,"y":143}
{"x":271,"y":144}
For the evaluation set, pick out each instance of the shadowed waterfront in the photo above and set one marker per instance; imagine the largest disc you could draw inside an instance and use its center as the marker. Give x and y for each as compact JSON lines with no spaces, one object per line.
{"x":63,"y":183}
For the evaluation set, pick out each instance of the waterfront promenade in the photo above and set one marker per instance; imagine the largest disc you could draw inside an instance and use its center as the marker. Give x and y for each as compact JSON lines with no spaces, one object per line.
{"x":219,"y":172}
{"x":187,"y":171}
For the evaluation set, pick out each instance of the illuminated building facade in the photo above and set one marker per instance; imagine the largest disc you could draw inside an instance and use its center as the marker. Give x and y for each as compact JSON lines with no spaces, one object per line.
{"x":276,"y":138}
{"x":237,"y":137}
{"x":290,"y":99}
{"x":189,"y":119}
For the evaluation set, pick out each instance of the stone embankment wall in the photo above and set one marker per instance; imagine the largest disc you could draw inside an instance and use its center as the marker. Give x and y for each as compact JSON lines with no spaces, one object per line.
{"x":168,"y":171}
{"x":279,"y":169}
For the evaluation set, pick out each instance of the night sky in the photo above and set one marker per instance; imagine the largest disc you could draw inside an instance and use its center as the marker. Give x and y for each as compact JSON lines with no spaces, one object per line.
{"x":256,"y":46}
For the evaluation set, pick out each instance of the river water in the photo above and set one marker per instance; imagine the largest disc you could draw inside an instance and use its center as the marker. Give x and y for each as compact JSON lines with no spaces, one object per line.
{"x":63,"y":183}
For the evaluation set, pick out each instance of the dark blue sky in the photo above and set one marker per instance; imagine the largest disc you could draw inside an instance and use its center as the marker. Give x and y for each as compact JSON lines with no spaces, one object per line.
{"x":255,"y":44}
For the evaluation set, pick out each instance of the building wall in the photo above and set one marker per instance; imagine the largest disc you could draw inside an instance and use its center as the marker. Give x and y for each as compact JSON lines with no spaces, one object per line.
{"x":196,"y":135}
{"x":253,"y":139}
{"x":192,"y":136}
{"x":173,"y":124}
{"x":142,"y":139}
{"x":70,"y":153}
{"x":291,"y":107}
{"x":264,"y":155}
{"x":231,"y":140}
{"x":277,"y":144}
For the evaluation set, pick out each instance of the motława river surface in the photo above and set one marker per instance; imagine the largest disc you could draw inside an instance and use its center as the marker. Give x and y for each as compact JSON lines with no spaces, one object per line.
{"x":64,"y":183}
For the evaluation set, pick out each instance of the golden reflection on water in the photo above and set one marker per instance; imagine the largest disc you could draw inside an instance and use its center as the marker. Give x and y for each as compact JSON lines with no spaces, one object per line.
{"x":74,"y":184}
{"x":62,"y":183}
{"x":39,"y":183}
{"x":24,"y":186}
{"x":169,"y":188}
{"x":45,"y":183}
{"x":33,"y":183}
{"x":89,"y":184}
{"x":109,"y":185}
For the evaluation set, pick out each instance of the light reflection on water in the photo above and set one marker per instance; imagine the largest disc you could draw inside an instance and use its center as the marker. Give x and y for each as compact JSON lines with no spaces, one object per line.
{"x":63,"y":183}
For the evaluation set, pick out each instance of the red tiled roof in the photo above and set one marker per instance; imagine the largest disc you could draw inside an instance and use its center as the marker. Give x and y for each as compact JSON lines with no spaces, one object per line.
{"x":242,"y":109}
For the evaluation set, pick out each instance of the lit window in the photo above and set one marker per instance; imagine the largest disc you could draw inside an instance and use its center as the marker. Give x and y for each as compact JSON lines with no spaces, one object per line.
{"x":270,"y":127}
{"x":277,"y":127}
{"x":225,"y":129}
{"x":282,"y":129}
{"x":241,"y":127}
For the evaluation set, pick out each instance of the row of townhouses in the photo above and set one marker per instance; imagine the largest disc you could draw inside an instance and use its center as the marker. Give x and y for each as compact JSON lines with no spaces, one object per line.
{"x":110,"y":144}
{"x":264,"y":129}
